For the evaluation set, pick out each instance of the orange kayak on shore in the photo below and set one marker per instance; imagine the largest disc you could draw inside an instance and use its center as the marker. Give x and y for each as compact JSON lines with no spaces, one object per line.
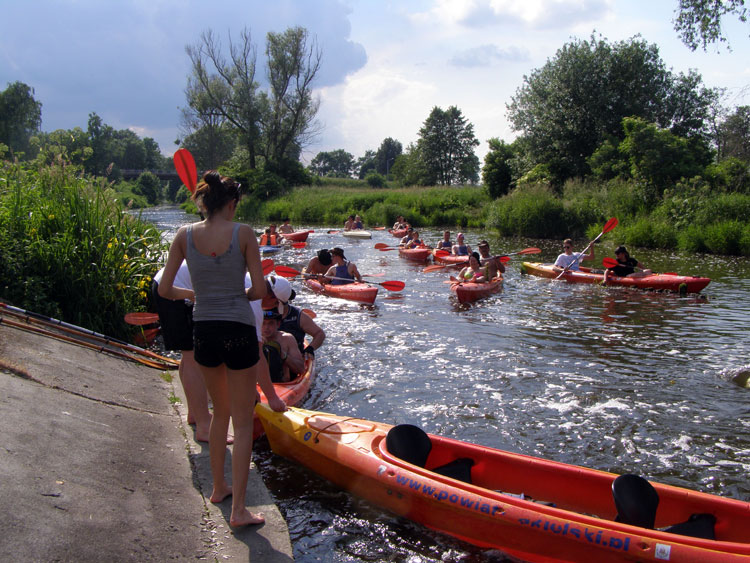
{"x":360,"y":292}
{"x":530,"y":508}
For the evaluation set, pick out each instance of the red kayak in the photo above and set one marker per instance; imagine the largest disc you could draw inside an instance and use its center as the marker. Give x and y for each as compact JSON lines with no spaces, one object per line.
{"x":297,"y":236}
{"x":416,"y":254}
{"x":531,"y":508}
{"x":360,"y":292}
{"x":468,"y":292}
{"x":291,"y":392}
{"x":665,"y":282}
{"x":449,"y":259}
{"x":400,"y":233}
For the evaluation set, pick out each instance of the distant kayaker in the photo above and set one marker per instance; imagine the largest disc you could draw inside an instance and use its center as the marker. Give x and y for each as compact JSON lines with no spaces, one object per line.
{"x":285,"y":227}
{"x":406,"y":239}
{"x":270,"y":237}
{"x":280,"y":349}
{"x":293,"y":320}
{"x":493,"y":263}
{"x":319,"y":264}
{"x":474,"y":272}
{"x":400,"y":224}
{"x":219,"y":252}
{"x":349,"y":225}
{"x":358,"y":222}
{"x":342,"y":271}
{"x":626,"y":266}
{"x":415,"y":241}
{"x":570,"y":260}
{"x":460,"y":248}
{"x":446,"y":243}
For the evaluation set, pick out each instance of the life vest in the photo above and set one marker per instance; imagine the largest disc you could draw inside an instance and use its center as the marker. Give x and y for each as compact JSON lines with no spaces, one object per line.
{"x":445,"y":244}
{"x":272,"y":352}
{"x":269,"y":240}
{"x":342,"y":272}
{"x":462,"y":250}
{"x":291,"y":324}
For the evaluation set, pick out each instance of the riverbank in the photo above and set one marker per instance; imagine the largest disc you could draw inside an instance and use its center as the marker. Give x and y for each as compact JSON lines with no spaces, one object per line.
{"x":99,"y":464}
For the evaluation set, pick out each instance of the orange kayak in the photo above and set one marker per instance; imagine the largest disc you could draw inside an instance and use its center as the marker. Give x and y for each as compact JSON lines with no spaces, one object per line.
{"x":450,"y":259}
{"x":361,"y":292}
{"x":665,"y":282}
{"x":467,"y":292}
{"x":291,"y":392}
{"x":531,"y":508}
{"x":415,"y":254}
{"x":296,"y":236}
{"x":400,"y":233}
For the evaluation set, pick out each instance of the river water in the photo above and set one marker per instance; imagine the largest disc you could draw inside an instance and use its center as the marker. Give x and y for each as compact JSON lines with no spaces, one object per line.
{"x":614,"y":379}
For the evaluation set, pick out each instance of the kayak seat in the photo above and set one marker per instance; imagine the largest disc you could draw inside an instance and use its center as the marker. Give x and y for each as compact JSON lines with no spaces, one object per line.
{"x":636,"y":501}
{"x":413,"y":445}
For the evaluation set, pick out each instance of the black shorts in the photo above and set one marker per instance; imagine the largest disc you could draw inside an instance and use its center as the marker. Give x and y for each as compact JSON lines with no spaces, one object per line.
{"x":225,"y":342}
{"x":176,"y":320}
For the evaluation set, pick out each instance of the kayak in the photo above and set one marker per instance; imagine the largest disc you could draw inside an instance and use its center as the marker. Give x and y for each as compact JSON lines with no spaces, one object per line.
{"x":468,"y":292}
{"x":268,"y":249}
{"x":357,"y":233}
{"x":399,"y":233}
{"x":530,"y":508}
{"x":296,"y":236}
{"x":415,"y":254}
{"x":357,"y":291}
{"x":665,"y":282}
{"x":291,"y":393}
{"x":450,"y":259}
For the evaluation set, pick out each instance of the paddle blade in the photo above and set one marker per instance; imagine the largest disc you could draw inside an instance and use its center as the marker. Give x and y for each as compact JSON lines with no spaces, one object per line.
{"x":287,"y":272}
{"x":609,"y":262}
{"x":609,"y":225}
{"x":333,"y":232}
{"x":442,"y":253}
{"x":184,"y":163}
{"x":505,"y":259}
{"x":434,"y":268}
{"x":378,"y":228}
{"x":380,"y":245}
{"x":310,"y":313}
{"x":139,"y":319}
{"x":386,"y":249}
{"x":393,"y":285}
{"x":299,"y":244}
{"x":267,"y":266}
{"x":532,"y":250}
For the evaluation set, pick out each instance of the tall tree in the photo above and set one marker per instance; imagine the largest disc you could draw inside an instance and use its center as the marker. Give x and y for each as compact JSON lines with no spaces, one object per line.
{"x":20,"y":116}
{"x":567,"y":108}
{"x":365,"y":164}
{"x":496,"y":172}
{"x":733,"y":135}
{"x":447,"y":145}
{"x":337,"y":164}
{"x":698,"y":22}
{"x":386,"y":155}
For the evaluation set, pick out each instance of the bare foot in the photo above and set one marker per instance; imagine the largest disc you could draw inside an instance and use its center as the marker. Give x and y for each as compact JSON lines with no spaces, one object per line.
{"x":218,"y":496}
{"x":246,"y":518}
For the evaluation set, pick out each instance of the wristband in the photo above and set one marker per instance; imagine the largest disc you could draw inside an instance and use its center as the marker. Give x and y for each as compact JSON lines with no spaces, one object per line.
{"x":309,"y":350}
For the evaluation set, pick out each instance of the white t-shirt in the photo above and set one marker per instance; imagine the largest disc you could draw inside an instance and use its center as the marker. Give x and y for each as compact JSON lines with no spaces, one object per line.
{"x":181,"y":279}
{"x":566,"y":261}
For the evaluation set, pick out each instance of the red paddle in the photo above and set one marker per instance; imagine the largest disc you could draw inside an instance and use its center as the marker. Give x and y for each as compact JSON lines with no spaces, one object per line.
{"x":608,"y":226}
{"x":288,"y":272}
{"x":310,"y":313}
{"x":140,"y":319}
{"x":610,"y":262}
{"x":185,"y":166}
{"x":267,"y":266}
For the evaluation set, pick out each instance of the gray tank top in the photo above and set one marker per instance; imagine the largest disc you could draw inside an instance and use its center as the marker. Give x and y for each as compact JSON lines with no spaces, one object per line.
{"x":219,"y":283}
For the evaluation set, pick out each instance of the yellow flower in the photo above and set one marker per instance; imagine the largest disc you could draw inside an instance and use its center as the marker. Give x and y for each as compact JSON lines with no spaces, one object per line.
{"x":119,"y":286}
{"x":143,"y":294}
{"x":109,"y":246}
{"x":51,"y":216}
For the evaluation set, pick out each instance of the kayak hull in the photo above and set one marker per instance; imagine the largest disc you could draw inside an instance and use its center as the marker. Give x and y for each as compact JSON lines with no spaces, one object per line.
{"x":415,"y":254}
{"x":450,"y":259}
{"x":572,"y":520}
{"x":357,"y":233}
{"x":291,"y":393}
{"x":468,"y":292}
{"x":297,"y":236}
{"x":268,"y":250}
{"x":360,"y":292}
{"x":663,"y":282}
{"x":398,"y":233}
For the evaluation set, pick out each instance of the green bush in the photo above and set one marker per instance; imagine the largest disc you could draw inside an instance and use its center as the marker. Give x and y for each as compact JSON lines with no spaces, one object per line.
{"x":375,"y":180}
{"x":724,"y":237}
{"x":531,"y":211}
{"x":691,"y":239}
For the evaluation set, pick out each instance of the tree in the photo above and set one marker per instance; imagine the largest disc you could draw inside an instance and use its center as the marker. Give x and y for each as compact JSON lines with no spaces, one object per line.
{"x":149,"y":186}
{"x":566,"y":109}
{"x":386,"y":155}
{"x":365,"y":164}
{"x":733,"y":135}
{"x":698,"y":22}
{"x":337,"y":164}
{"x":20,"y":116}
{"x":497,"y":173}
{"x":410,"y":168}
{"x":447,"y":144}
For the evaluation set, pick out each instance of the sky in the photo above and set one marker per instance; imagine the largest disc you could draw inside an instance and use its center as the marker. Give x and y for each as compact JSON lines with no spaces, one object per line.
{"x":385,"y":64}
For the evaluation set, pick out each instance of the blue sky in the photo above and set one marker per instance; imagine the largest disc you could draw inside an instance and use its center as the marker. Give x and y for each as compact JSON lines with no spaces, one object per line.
{"x":385,"y":63}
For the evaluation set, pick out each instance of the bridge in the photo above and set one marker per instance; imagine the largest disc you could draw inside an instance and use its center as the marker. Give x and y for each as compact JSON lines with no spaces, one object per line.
{"x":132,"y":174}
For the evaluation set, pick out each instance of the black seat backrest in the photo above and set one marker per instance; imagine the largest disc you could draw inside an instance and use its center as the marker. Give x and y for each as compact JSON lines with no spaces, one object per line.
{"x":459,"y":469}
{"x":410,"y":443}
{"x":636,"y":500}
{"x":697,"y":526}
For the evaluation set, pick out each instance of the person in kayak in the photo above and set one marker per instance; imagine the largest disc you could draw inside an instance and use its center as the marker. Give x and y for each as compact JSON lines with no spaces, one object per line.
{"x":349,"y":225}
{"x":280,"y":349}
{"x":219,"y":252}
{"x":460,"y":248}
{"x":406,"y":239}
{"x":446,"y":243}
{"x":285,"y":227}
{"x":318,"y":264}
{"x":270,"y":237}
{"x":570,"y":260}
{"x":415,"y":241}
{"x":293,"y":320}
{"x":358,"y":222}
{"x":342,"y":271}
{"x":493,"y":263}
{"x":626,"y":266}
{"x":400,"y":223}
{"x":474,"y":272}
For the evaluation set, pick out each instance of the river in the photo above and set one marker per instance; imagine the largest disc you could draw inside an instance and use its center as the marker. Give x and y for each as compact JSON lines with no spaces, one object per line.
{"x":614,"y":379}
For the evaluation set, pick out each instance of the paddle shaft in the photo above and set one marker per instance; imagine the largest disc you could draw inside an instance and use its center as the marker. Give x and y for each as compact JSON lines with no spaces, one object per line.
{"x":608,"y":226}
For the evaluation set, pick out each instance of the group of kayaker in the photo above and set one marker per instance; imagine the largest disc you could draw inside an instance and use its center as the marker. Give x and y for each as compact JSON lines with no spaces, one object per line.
{"x":353,"y":223}
{"x":626,"y":265}
{"x":331,"y":266}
